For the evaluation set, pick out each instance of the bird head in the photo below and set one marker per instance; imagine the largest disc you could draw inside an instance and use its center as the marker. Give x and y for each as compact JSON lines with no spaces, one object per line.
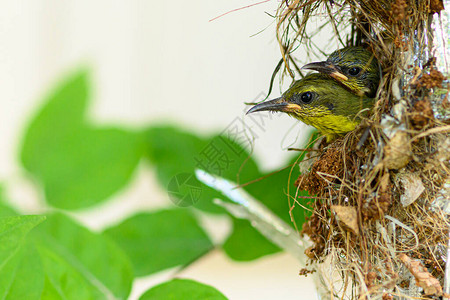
{"x":354,"y":67}
{"x":320,"y":101}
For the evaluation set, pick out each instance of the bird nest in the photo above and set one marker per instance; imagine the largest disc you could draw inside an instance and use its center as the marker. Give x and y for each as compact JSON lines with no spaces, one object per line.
{"x":380,"y":215}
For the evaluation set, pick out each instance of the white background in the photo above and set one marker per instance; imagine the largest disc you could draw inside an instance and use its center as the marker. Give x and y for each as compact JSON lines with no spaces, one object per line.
{"x":151,"y":61}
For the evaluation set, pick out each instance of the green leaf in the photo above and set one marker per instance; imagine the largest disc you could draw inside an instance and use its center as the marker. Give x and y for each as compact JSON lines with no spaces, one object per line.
{"x":246,"y":243}
{"x":78,"y":165}
{"x":14,"y":272}
{"x":12,"y":232}
{"x":160,"y":240}
{"x":64,"y":280}
{"x":59,"y":260}
{"x":90,"y":167}
{"x":65,"y":106}
{"x":80,"y":264}
{"x":180,"y":289}
{"x":25,"y":276}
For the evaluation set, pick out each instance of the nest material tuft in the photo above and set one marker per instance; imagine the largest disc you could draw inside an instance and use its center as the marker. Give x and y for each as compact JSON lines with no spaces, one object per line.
{"x":380,"y":215}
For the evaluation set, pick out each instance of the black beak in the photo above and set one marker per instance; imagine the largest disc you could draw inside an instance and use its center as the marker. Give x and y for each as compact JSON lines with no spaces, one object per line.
{"x":272,"y":105}
{"x":278,"y":104}
{"x":326,"y":68}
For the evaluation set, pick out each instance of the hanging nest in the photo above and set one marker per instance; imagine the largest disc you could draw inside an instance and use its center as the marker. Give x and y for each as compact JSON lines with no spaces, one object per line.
{"x":380,"y":216}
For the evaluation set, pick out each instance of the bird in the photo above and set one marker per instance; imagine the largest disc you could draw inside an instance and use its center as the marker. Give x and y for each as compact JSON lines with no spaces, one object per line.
{"x":354,"y":67}
{"x":320,"y":101}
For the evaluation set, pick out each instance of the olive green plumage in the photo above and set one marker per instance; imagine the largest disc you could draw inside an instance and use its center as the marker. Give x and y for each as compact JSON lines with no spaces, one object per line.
{"x":335,"y":99}
{"x":355,"y":68}
{"x":322,"y":102}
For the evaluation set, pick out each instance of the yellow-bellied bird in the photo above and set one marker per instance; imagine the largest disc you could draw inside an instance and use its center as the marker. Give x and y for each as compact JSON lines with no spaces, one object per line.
{"x":320,"y":101}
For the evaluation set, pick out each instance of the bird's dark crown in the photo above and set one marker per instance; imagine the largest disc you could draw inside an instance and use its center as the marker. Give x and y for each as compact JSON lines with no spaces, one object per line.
{"x":349,"y":59}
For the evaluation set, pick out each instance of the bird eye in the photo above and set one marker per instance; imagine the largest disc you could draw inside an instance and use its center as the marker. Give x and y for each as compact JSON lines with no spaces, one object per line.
{"x":306,"y":97}
{"x":354,"y":71}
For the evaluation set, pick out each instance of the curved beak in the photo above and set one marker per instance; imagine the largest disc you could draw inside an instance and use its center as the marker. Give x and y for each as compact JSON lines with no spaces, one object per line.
{"x":326,"y":68}
{"x":279,"y":104}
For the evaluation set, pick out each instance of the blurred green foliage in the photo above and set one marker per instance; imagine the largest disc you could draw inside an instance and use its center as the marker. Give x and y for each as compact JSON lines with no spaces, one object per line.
{"x":80,"y":165}
{"x":77,"y":164}
{"x":161,"y":240}
{"x":182,"y":289}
